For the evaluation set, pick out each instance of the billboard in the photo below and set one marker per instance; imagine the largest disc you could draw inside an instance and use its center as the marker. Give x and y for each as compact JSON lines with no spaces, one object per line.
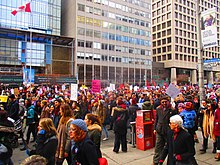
{"x":208,"y":28}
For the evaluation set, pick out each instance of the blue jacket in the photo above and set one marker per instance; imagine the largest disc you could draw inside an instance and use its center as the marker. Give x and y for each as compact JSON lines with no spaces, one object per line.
{"x":189,"y":117}
{"x":30,"y":115}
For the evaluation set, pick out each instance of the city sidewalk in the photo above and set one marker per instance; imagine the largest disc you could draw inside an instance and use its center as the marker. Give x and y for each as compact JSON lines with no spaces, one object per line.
{"x":137,"y":157}
{"x":133,"y":156}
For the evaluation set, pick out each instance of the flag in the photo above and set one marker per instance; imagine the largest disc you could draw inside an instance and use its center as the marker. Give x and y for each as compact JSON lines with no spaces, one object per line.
{"x":24,"y":8}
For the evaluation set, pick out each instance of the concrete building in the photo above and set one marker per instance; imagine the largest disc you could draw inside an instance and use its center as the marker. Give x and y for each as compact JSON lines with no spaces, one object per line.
{"x":112,"y":39}
{"x":174,"y":39}
{"x":32,"y":41}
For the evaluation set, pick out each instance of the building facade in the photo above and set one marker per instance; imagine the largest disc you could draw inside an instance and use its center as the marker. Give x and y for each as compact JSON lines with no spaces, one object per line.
{"x":174,"y":38}
{"x":31,"y":40}
{"x":112,"y":39}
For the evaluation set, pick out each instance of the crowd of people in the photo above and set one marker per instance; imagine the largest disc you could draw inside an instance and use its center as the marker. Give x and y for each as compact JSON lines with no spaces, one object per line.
{"x":67,"y":129}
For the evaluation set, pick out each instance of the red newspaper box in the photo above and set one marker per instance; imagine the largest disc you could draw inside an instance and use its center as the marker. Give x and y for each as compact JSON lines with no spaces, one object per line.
{"x":144,"y":130}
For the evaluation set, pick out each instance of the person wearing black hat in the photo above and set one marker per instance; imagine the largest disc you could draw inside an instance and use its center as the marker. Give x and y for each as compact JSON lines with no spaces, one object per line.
{"x":13,"y":107}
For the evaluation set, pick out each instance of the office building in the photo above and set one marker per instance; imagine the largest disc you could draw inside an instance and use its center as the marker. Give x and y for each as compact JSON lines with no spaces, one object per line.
{"x":175,"y":39}
{"x":31,"y":40}
{"x":112,"y":39}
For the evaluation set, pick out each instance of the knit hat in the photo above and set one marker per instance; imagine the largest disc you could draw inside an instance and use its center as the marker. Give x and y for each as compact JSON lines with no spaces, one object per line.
{"x":80,"y":123}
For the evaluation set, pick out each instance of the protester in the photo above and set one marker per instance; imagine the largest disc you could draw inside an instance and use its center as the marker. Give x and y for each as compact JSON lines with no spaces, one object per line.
{"x":63,"y":147}
{"x":94,"y":131}
{"x":207,"y":127}
{"x":30,"y":121}
{"x":179,"y":146}
{"x":46,"y":143}
{"x":84,"y":150}
{"x":120,"y":118}
{"x":161,"y":126}
{"x":217,"y":130}
{"x":6,"y":130}
{"x":13,"y":108}
{"x":45,"y":111}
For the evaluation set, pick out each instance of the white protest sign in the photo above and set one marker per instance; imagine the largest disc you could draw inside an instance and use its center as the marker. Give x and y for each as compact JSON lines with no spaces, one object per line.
{"x":74,"y":90}
{"x":172,"y":91}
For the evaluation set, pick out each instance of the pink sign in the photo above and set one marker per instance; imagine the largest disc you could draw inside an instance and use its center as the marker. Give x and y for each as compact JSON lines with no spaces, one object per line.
{"x":96,"y":86}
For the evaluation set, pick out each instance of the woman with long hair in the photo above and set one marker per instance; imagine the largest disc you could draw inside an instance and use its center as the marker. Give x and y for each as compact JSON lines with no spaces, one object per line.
{"x":63,"y":135}
{"x":94,"y":131}
{"x":46,"y":143}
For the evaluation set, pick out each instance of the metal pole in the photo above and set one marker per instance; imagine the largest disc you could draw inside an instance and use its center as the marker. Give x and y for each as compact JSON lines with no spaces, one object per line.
{"x":200,"y":54}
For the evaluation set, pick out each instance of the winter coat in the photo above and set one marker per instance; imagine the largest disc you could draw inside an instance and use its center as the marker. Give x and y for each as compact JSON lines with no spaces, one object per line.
{"x":94,"y":133}
{"x":217,"y":122}
{"x":162,"y":120}
{"x":182,"y":145}
{"x":132,"y":112}
{"x":30,"y":115}
{"x":46,"y":146}
{"x":63,"y":139}
{"x":85,"y":152}
{"x":13,"y":110}
{"x":189,"y":117}
{"x":122,"y":128}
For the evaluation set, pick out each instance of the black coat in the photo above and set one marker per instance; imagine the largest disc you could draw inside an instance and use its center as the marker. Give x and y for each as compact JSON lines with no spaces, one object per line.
{"x":163,"y":119}
{"x":46,"y":147}
{"x":85,"y":152}
{"x":183,"y":145}
{"x":122,"y":127}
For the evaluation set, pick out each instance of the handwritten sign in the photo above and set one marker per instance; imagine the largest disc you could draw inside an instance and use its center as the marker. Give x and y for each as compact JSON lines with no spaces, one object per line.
{"x":172,"y":91}
{"x":96,"y":86}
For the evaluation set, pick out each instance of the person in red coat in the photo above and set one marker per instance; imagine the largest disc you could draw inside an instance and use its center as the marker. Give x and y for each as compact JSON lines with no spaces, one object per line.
{"x":217,"y":130}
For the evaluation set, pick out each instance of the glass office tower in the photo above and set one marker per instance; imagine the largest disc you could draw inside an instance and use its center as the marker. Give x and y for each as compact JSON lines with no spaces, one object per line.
{"x":18,"y":44}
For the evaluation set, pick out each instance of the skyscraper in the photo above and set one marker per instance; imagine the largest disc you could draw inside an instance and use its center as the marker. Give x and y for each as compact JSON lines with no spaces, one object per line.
{"x":174,"y":38}
{"x":113,"y":39}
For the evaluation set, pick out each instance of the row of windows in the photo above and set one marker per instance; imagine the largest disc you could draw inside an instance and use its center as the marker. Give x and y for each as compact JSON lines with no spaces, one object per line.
{"x":185,"y":18}
{"x":184,"y":49}
{"x":117,"y":48}
{"x":116,"y":37}
{"x":188,"y":35}
{"x":185,"y":10}
{"x":122,"y":7}
{"x":98,"y":57}
{"x":98,"y":11}
{"x":98,"y":34}
{"x":186,"y":3}
{"x":113,"y":15}
{"x":177,"y":57}
{"x":185,"y":26}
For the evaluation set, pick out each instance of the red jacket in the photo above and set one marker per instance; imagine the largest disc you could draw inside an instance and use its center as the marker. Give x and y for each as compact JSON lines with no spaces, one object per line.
{"x":217,"y":122}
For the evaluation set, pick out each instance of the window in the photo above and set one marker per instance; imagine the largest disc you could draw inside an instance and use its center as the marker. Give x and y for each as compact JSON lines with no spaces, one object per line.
{"x":89,"y":32}
{"x":88,"y":44}
{"x":80,"y":43}
{"x":81,"y":7}
{"x":81,"y":31}
{"x":97,"y":34}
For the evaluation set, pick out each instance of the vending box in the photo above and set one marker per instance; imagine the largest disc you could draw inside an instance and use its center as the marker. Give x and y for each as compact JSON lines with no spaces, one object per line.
{"x":144,"y":130}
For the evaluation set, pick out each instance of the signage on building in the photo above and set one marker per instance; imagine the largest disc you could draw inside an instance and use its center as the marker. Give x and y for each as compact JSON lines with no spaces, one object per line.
{"x":7,"y":79}
{"x":54,"y":80}
{"x":209,"y":28}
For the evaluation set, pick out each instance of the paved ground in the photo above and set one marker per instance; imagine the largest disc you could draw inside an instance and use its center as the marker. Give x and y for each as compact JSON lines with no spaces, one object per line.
{"x":134,"y":156}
